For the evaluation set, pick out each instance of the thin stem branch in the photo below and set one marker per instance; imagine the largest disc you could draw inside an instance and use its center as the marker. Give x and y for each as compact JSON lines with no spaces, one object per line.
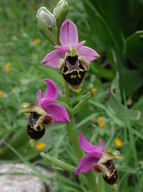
{"x":73,"y":139}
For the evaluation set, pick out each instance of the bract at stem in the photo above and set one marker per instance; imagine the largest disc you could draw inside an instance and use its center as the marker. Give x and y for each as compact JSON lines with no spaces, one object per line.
{"x":58,"y":162}
{"x":82,"y":103}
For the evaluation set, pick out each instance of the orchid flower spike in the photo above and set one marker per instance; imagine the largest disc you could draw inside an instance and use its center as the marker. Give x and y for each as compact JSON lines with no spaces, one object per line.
{"x":44,"y":111}
{"x":98,"y":160}
{"x":71,"y":58}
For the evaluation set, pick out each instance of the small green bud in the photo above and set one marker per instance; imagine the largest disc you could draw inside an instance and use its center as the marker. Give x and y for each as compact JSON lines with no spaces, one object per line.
{"x":47,"y":33}
{"x":60,"y":12}
{"x":47,"y":17}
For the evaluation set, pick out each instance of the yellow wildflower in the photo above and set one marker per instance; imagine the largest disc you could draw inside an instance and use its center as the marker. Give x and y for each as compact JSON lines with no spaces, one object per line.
{"x":7,"y":66}
{"x":1,"y":93}
{"x":118,"y":143}
{"x":93,"y":90}
{"x":101,"y":121}
{"x":130,"y":102}
{"x":109,"y":150}
{"x":32,"y":6}
{"x":36,"y":41}
{"x":40,"y":146}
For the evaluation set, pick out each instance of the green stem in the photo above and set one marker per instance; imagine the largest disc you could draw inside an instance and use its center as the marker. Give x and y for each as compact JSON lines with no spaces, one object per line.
{"x":100,"y":183}
{"x":75,"y":145}
{"x":58,"y":34}
{"x":92,"y":182}
{"x":73,"y":139}
{"x":70,"y":126}
{"x":66,"y":93}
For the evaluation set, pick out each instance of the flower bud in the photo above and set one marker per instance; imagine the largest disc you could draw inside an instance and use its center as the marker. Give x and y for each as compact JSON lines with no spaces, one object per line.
{"x":47,"y":17}
{"x":60,"y":12}
{"x":46,"y":21}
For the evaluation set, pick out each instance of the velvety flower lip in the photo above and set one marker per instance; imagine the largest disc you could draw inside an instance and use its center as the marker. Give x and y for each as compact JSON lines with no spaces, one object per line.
{"x":68,"y":38}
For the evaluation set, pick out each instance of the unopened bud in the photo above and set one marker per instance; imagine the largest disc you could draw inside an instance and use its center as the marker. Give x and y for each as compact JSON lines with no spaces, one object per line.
{"x":60,"y":12}
{"x":47,"y":17}
{"x":46,"y":21}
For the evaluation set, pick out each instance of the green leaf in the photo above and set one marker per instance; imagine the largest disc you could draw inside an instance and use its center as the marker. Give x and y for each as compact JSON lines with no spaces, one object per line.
{"x":120,"y":109}
{"x":58,"y":162}
{"x":104,"y":35}
{"x":134,"y":49}
{"x":129,"y":79}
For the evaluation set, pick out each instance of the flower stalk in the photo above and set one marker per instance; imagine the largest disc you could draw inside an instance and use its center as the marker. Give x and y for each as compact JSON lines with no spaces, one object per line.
{"x":75,"y":145}
{"x":73,"y":138}
{"x":46,"y":32}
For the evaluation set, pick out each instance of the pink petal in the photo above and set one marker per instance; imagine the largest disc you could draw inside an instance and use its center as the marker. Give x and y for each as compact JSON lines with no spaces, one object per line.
{"x":50,"y":95}
{"x":101,"y":144}
{"x":52,"y":58}
{"x":66,"y":48}
{"x":58,"y":112}
{"x":39,"y":96}
{"x":80,"y":44}
{"x":51,"y":91}
{"x":90,"y":54}
{"x":85,"y":164}
{"x":62,"y":48}
{"x":68,"y":33}
{"x":89,"y":148}
{"x":42,"y":101}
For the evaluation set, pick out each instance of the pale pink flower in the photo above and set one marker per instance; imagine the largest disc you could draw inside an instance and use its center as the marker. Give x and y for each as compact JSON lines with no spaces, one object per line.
{"x":72,"y":58}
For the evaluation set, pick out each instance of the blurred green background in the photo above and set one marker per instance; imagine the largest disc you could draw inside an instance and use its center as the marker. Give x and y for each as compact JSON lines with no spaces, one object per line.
{"x":114,"y":29}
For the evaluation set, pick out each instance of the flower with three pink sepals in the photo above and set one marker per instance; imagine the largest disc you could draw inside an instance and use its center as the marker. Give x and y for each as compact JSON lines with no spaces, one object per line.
{"x":44,"y":111}
{"x":97,"y":160}
{"x":71,"y":58}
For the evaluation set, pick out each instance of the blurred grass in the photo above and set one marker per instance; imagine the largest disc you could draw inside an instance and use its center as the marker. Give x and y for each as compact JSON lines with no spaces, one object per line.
{"x":18,"y":29}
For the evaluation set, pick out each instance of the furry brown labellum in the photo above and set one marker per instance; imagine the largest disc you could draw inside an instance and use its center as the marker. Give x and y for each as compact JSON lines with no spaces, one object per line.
{"x":110,"y":174}
{"x":113,"y":177}
{"x":32,"y":133}
{"x":73,"y":71}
